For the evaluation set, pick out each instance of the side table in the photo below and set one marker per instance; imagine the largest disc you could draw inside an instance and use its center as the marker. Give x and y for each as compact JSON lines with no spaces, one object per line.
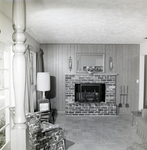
{"x":48,"y":116}
{"x":134,"y":114}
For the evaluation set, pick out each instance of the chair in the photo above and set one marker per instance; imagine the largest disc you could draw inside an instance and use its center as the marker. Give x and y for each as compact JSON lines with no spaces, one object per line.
{"x":141,"y":129}
{"x":44,"y":135}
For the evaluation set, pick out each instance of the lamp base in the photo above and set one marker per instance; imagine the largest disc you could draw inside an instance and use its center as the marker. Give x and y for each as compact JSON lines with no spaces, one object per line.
{"x":44,"y":105}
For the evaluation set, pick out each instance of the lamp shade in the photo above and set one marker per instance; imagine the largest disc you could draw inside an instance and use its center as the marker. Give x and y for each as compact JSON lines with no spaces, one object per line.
{"x":43,"y":81}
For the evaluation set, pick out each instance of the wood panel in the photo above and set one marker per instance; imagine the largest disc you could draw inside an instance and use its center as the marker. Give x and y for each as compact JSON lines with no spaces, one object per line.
{"x":125,"y":64}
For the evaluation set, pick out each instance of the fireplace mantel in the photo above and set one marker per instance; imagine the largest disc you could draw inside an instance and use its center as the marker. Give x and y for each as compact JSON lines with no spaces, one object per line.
{"x":76,"y":108}
{"x":86,"y":74}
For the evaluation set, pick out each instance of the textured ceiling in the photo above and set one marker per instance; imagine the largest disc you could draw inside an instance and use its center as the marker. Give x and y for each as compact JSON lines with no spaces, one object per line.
{"x":85,"y":21}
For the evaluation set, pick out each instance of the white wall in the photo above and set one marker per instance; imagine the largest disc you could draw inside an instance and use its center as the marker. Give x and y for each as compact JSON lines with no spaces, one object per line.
{"x":143,"y":52}
{"x":6,"y":29}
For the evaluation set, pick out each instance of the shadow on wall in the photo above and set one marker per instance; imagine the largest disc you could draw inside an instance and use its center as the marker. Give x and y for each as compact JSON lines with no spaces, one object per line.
{"x":52,"y":93}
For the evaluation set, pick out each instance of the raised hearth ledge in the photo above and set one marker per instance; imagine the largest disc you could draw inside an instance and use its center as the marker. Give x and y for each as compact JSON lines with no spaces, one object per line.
{"x":91,"y":109}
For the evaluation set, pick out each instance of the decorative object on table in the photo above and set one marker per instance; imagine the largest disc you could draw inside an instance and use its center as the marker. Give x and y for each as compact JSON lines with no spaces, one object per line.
{"x":70,"y":63}
{"x":43,"y":84}
{"x":123,"y":96}
{"x":110,"y":63}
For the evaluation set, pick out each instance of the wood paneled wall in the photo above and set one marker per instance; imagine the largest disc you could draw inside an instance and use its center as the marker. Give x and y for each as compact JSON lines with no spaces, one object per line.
{"x":125,"y":64}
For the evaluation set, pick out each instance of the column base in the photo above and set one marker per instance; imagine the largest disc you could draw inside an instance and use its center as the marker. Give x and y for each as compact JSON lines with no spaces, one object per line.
{"x":19,"y":137}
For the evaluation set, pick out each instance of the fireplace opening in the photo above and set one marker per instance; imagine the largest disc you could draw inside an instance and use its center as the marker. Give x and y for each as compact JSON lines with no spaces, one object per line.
{"x":90,"y":92}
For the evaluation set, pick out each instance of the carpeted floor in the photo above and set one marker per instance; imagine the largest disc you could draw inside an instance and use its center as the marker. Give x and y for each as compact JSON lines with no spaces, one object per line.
{"x":98,"y":132}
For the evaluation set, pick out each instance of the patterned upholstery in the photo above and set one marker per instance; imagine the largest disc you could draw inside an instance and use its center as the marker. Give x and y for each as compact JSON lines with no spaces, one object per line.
{"x":44,"y":136}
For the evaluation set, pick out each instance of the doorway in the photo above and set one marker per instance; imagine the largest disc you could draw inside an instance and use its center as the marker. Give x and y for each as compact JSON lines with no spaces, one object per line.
{"x":145,"y":83}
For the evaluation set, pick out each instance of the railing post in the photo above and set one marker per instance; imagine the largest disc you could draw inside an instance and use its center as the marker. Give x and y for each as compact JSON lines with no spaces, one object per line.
{"x":18,"y":133}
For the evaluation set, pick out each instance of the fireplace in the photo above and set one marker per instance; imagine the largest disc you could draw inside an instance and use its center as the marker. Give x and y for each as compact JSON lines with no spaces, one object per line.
{"x":90,"y":92}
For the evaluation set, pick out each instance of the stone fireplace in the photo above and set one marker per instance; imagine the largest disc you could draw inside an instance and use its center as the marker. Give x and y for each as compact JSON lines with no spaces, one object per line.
{"x":90,"y":94}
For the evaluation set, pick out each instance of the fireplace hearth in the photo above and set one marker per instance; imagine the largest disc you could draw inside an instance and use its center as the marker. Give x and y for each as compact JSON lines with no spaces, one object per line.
{"x":90,"y":92}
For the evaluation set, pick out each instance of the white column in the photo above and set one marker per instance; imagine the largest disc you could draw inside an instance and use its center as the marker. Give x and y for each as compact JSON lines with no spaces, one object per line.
{"x":18,"y":133}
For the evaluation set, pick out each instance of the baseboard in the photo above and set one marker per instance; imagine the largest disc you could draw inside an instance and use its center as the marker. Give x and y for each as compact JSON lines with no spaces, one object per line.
{"x":123,"y":110}
{"x":61,"y":112}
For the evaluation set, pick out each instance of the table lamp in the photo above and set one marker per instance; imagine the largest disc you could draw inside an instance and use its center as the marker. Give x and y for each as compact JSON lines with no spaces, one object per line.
{"x":43,"y":84}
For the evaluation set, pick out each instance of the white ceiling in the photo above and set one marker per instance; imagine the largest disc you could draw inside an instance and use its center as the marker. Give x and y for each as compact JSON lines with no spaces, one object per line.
{"x":85,"y":21}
